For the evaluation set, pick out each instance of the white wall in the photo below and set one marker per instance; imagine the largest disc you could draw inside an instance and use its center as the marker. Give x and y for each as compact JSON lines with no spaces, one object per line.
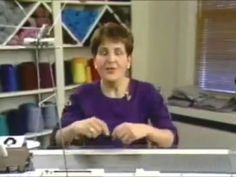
{"x":164,"y":33}
{"x":140,"y":28}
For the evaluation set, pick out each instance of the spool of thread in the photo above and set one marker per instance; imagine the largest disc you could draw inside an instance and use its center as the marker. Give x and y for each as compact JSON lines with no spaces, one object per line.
{"x":27,"y":69}
{"x":8,"y":78}
{"x":31,"y":116}
{"x":50,"y":117}
{"x":68,"y":72}
{"x":16,"y":123}
{"x":4,"y":130}
{"x":47,"y":14}
{"x":46,"y":80}
{"x":34,"y":118}
{"x":78,"y":70}
{"x":43,"y":20}
{"x":41,"y":12}
{"x":88,"y":74}
{"x":0,"y":87}
{"x":94,"y":74}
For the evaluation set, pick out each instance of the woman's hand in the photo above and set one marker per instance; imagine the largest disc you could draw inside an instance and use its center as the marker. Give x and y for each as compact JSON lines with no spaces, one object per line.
{"x":130,"y":132}
{"x":90,"y":128}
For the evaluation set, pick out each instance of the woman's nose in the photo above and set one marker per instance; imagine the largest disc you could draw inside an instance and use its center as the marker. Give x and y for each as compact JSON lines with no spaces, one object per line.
{"x":111,"y":57}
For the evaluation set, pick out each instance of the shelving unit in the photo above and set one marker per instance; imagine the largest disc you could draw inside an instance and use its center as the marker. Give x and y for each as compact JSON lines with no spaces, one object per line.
{"x":38,"y":134}
{"x":105,"y":2}
{"x":60,"y":32}
{"x":32,"y":5}
{"x":28,"y":14}
{"x":23,"y":93}
{"x":71,"y":87}
{"x":34,"y":92}
{"x":96,"y":7}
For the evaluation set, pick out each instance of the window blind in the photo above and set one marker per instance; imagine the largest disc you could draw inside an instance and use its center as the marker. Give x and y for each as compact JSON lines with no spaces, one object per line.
{"x":216,"y":47}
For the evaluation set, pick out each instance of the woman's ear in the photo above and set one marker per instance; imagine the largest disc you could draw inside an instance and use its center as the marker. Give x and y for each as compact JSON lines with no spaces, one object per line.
{"x":128,"y":66}
{"x":129,"y":61}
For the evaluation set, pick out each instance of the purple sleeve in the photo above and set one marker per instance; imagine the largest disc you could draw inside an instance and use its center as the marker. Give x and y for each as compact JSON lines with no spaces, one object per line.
{"x":72,"y":112}
{"x":158,"y":112}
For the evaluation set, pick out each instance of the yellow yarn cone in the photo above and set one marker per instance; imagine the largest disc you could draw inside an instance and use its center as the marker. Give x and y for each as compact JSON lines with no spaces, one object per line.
{"x":79,"y":70}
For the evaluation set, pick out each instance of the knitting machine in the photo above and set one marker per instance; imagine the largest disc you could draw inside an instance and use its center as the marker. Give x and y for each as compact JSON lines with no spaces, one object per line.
{"x":132,"y":162}
{"x":14,"y":155}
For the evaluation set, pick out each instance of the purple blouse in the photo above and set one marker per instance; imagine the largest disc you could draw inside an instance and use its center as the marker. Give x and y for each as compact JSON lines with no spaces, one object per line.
{"x":143,"y":104}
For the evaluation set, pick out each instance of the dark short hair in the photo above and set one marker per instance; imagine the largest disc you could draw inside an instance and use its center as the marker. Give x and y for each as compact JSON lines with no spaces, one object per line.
{"x":114,"y":32}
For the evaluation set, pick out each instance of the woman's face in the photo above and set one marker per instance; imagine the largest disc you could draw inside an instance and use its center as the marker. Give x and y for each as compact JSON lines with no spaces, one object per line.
{"x":112,"y":61}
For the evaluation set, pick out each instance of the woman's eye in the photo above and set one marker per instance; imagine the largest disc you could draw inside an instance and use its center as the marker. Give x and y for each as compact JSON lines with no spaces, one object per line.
{"x":102,"y":52}
{"x":118,"y":52}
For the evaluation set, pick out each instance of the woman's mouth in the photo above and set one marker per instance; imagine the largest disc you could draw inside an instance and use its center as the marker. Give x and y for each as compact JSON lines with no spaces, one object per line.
{"x":110,"y":69}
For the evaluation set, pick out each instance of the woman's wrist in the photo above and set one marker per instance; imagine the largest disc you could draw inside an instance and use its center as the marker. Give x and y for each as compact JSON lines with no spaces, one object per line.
{"x":151,"y":132}
{"x":66,"y":134}
{"x":160,"y":137}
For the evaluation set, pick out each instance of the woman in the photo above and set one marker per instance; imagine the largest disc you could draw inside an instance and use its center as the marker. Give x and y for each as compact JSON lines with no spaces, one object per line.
{"x":116,"y":111}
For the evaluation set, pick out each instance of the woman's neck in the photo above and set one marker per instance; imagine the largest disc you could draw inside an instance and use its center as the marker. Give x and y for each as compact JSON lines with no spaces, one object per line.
{"x":116,"y":89}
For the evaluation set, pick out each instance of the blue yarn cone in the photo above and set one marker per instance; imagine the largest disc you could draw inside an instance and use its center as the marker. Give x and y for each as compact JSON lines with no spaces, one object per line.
{"x":50,"y":115}
{"x":31,"y":114}
{"x":8,"y":78}
{"x":4,"y":130}
{"x":16,"y":123}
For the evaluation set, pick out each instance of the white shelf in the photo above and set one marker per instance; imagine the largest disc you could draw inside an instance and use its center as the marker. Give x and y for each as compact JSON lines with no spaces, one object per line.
{"x":72,"y":45}
{"x":15,"y":47}
{"x":113,"y":3}
{"x":71,"y":87}
{"x":30,"y":1}
{"x":21,"y":47}
{"x":24,"y":93}
{"x":76,"y":2}
{"x":37,"y":134}
{"x":229,"y":118}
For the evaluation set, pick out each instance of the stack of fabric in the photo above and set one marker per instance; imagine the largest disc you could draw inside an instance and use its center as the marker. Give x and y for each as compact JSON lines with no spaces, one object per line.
{"x":191,"y":96}
{"x":10,"y":15}
{"x":79,"y":21}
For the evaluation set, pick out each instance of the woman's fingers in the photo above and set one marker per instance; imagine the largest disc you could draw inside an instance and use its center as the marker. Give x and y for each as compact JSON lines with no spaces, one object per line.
{"x":96,"y":127}
{"x":103,"y":126}
{"x":123,"y":132}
